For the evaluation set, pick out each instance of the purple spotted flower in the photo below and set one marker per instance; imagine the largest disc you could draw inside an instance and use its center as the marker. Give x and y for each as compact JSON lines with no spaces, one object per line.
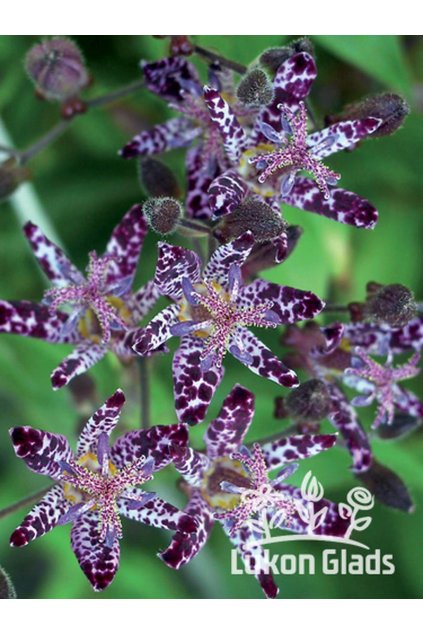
{"x":217,"y":478}
{"x":176,"y":80}
{"x":269,"y":159}
{"x":97,"y":485}
{"x":95,"y":313}
{"x":380,"y":382}
{"x":211,"y":313}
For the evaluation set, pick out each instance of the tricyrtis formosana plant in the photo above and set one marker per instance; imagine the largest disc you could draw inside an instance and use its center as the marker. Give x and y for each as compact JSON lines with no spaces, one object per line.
{"x":251,"y":144}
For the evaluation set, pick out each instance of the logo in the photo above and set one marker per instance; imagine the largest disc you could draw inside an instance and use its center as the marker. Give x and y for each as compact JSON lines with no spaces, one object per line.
{"x":309,"y":513}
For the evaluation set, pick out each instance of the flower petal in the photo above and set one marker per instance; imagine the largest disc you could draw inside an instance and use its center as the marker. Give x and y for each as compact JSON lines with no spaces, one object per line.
{"x":183,"y":548}
{"x":155,"y":443}
{"x":55,"y":264}
{"x":125,"y":245}
{"x":30,"y":319}
{"x":41,"y":450}
{"x":283,"y":450}
{"x":157,"y":332}
{"x":264,"y":362}
{"x":226,"y":433}
{"x":158,"y":513}
{"x":103,"y":421}
{"x":235,"y":252}
{"x":42,"y":518}
{"x":226,"y":193}
{"x":344,"y":134}
{"x":173,"y":264}
{"x":342,"y":206}
{"x":200,"y":178}
{"x":408,"y":403}
{"x":345,"y":419}
{"x":143,"y":300}
{"x":98,"y":562}
{"x":193,"y":388}
{"x":77,"y":362}
{"x":168,"y":76}
{"x":296,"y":75}
{"x":177,"y":132}
{"x":191,"y":464}
{"x":234,"y":137}
{"x":290,"y":304}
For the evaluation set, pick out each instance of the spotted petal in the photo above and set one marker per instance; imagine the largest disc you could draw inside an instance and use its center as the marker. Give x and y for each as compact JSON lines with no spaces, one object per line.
{"x":155,"y":442}
{"x":278,"y":452}
{"x":235,"y":252}
{"x":143,"y":300}
{"x":342,"y":206}
{"x":344,"y":134}
{"x":173,"y":264}
{"x":226,"y":433}
{"x":103,"y":421}
{"x":191,"y":464}
{"x":41,"y":450}
{"x":158,"y":513}
{"x":80,"y":360}
{"x":296,"y":75}
{"x":55,"y":264}
{"x":157,"y":332}
{"x":42,"y":518}
{"x":344,"y":418}
{"x":409,"y":336}
{"x":200,"y":177}
{"x":264,"y":362}
{"x":193,"y":388}
{"x":290,"y":304}
{"x":168,"y":76}
{"x":408,"y":403}
{"x":177,"y":132}
{"x":183,"y":548}
{"x":30,"y":319}
{"x":234,"y":138}
{"x":98,"y":562}
{"x":226,"y":193}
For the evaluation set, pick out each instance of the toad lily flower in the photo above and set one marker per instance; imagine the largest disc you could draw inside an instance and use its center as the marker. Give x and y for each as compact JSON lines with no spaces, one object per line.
{"x":280,"y":148}
{"x":103,"y":309}
{"x":211,"y":313}
{"x":222,"y":479}
{"x":380,"y":382}
{"x":97,"y":485}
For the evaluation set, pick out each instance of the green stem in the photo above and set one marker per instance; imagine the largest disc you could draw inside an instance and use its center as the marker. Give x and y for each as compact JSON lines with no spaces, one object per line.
{"x":213,"y":57}
{"x":34,"y":497}
{"x":145,"y":396}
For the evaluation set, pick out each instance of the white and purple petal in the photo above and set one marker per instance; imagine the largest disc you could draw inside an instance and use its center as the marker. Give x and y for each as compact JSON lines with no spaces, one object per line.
{"x":173,"y":264}
{"x":30,"y":319}
{"x":177,"y":132}
{"x":296,"y":75}
{"x":169,"y":76}
{"x":42,"y":518}
{"x":201,"y":173}
{"x":191,"y":464}
{"x":341,"y":136}
{"x":157,"y":332}
{"x":143,"y":300}
{"x":221,"y":113}
{"x":226,"y":433}
{"x":226,"y":193}
{"x":279,"y":452}
{"x":80,"y":360}
{"x":158,"y":513}
{"x":233,"y":253}
{"x":103,"y":421}
{"x":42,"y":451}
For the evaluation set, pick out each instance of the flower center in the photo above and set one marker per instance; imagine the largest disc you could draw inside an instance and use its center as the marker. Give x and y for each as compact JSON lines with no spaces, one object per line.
{"x":223,"y":470}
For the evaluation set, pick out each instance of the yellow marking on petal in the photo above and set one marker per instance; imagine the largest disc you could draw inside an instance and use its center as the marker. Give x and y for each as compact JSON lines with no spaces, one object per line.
{"x":90,"y":461}
{"x":221,"y":499}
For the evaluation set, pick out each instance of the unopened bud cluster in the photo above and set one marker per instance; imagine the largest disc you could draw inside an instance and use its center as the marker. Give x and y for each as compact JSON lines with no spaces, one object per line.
{"x":255,"y":88}
{"x":163,"y":214}
{"x":393,"y":304}
{"x":255,"y":216}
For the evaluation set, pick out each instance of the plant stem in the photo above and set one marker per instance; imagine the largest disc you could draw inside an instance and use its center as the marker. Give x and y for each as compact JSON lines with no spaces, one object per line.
{"x":108,"y":98}
{"x":336,"y":308}
{"x":56,"y":131}
{"x":34,"y":497}
{"x":213,"y":57}
{"x":144,"y":367}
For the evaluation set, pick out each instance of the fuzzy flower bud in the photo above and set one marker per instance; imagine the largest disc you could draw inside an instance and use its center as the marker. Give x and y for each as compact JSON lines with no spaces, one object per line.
{"x":252,"y":215}
{"x":57,"y":68}
{"x":255,"y":88}
{"x":162,"y":214}
{"x":273,"y":57}
{"x":389,"y":107}
{"x":11,"y":176}
{"x":393,"y":304}
{"x":158,"y":179}
{"x":309,"y":402}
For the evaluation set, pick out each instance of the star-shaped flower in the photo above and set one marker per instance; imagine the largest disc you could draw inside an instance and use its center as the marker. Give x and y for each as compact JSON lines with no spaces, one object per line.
{"x":103,"y":311}
{"x":97,"y":485}
{"x":211,"y":313}
{"x":217,"y":477}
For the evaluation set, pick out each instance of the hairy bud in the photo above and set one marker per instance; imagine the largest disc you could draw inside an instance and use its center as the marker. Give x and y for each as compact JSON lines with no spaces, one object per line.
{"x":252,"y":215}
{"x":389,"y":107}
{"x":393,"y":304}
{"x":272,"y":58}
{"x":162,"y":214}
{"x":57,"y":68}
{"x":402,"y":425}
{"x":11,"y":176}
{"x":158,"y":179}
{"x":387,"y":487}
{"x":309,"y":402}
{"x":255,"y":88}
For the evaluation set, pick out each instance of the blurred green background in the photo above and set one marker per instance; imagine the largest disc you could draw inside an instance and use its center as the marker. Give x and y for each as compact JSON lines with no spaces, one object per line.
{"x":83,"y":188}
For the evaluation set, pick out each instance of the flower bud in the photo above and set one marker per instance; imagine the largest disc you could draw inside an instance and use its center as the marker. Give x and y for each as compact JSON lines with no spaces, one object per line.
{"x":272,"y":58}
{"x":393,"y":304}
{"x":252,"y":215}
{"x":57,"y":68}
{"x":11,"y":176}
{"x":162,"y":214}
{"x":389,"y":107}
{"x":387,"y":487}
{"x":309,"y":402}
{"x":158,"y":179}
{"x":402,"y":425}
{"x":255,"y":88}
